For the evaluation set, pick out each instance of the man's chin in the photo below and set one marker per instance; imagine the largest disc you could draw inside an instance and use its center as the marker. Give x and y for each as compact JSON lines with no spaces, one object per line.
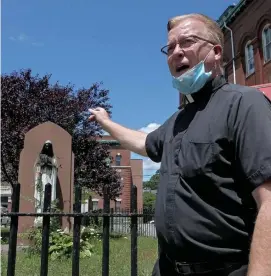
{"x":178,"y":74}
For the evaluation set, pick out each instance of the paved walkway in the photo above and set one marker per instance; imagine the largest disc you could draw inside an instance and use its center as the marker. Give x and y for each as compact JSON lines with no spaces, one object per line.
{"x":4,"y":248}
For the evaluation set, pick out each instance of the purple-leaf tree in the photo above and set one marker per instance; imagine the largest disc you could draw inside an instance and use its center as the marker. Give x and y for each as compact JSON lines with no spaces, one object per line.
{"x":28,"y":101}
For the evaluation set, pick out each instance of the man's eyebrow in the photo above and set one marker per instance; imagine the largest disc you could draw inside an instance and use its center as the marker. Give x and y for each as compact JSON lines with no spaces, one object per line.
{"x":182,"y":37}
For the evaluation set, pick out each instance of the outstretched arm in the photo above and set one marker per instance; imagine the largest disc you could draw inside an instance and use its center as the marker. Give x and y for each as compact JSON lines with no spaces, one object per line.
{"x":130,"y":139}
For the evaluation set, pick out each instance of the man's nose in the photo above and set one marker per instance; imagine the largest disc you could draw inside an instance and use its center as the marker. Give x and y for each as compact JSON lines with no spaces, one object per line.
{"x":178,"y":51}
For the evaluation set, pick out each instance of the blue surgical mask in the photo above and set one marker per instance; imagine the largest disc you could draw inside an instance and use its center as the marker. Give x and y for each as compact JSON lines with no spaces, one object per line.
{"x":193,"y":80}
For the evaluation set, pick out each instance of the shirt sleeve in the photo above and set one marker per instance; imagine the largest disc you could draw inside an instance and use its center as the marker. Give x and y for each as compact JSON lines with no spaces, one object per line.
{"x":154,"y":144}
{"x":250,"y":120}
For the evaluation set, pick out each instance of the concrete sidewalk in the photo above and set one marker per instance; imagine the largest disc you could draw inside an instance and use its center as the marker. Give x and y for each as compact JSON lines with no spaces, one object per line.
{"x":4,"y":248}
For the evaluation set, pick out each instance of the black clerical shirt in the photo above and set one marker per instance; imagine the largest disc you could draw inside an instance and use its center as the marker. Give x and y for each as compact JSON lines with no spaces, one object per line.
{"x":214,"y":152}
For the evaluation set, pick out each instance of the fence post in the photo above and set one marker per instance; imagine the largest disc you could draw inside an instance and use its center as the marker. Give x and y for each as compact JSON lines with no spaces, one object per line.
{"x":13,"y":229}
{"x":45,"y":230}
{"x":76,"y":232}
{"x":112,"y":219}
{"x":106,"y":207}
{"x":134,"y":231}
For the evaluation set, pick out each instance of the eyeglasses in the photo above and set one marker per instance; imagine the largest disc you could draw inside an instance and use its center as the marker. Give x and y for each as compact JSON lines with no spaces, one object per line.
{"x":184,"y":44}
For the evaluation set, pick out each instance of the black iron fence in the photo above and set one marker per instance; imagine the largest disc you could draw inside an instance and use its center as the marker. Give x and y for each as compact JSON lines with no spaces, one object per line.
{"x":120,"y":222}
{"x":137,"y":223}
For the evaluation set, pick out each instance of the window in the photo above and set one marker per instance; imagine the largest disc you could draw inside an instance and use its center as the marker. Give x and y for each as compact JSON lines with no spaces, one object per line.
{"x":118,"y":159}
{"x":4,"y":201}
{"x":249,"y":55}
{"x":95,"y":204}
{"x":266,"y":40}
{"x":117,"y":205}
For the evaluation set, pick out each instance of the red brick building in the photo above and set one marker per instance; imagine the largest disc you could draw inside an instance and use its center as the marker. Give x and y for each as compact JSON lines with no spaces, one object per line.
{"x":247,"y":25}
{"x":131,"y":171}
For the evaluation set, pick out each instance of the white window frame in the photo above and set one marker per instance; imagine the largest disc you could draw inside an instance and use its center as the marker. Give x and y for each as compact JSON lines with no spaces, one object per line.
{"x":248,"y":58}
{"x":96,"y":200}
{"x":266,"y":44}
{"x":118,"y":204}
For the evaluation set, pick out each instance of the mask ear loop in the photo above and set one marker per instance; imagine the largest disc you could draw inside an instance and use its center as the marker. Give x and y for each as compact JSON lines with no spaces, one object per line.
{"x":190,"y":97}
{"x":208,"y":53}
{"x":207,"y":57}
{"x":203,"y":61}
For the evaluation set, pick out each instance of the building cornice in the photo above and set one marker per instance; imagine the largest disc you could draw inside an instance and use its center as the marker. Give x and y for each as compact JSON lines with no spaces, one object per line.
{"x":109,"y":142}
{"x":230,"y":14}
{"x":121,"y":167}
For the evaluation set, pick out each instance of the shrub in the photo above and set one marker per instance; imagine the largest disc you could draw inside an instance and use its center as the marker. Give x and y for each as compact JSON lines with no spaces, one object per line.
{"x":61,"y":243}
{"x":4,"y":235}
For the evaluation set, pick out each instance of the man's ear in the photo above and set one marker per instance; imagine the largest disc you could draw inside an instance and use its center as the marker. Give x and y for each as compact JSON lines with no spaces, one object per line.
{"x":218,"y":52}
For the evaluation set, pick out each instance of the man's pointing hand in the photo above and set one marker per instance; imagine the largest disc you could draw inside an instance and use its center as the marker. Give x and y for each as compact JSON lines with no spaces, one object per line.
{"x":99,"y":115}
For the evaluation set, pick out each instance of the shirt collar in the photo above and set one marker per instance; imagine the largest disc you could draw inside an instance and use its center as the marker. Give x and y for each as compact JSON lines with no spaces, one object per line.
{"x":210,"y":87}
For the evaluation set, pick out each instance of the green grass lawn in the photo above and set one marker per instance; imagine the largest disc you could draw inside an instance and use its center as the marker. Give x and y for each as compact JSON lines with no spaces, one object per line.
{"x":120,"y":259}
{"x":4,"y":234}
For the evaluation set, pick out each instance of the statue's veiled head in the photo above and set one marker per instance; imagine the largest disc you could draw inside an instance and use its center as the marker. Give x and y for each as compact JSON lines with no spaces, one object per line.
{"x":48,"y":148}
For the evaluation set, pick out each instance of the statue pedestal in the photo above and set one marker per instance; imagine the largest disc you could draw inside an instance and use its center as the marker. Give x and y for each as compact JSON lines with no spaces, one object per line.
{"x":62,"y":146}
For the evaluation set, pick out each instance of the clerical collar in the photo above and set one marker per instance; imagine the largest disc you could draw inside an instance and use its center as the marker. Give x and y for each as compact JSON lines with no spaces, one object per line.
{"x":210,"y":87}
{"x":189,"y":98}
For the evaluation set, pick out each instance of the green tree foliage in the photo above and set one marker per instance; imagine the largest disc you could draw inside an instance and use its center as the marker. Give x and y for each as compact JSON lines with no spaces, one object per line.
{"x":149,"y":200}
{"x":152,"y":183}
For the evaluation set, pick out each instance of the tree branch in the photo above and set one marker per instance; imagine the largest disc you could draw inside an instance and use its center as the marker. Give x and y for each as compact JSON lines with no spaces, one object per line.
{"x":5,"y":172}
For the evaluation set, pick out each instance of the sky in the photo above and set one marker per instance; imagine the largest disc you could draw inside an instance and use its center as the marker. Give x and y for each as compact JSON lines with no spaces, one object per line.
{"x":114,"y":42}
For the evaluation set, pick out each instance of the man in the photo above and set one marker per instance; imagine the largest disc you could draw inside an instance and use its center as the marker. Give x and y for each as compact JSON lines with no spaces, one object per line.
{"x":213,"y":208}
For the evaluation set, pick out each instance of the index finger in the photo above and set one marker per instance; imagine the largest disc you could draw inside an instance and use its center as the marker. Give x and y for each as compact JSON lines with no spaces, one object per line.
{"x":91,"y":110}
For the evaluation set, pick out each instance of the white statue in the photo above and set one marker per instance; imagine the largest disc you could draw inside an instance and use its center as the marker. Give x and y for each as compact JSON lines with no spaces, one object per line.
{"x":45,"y":172}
